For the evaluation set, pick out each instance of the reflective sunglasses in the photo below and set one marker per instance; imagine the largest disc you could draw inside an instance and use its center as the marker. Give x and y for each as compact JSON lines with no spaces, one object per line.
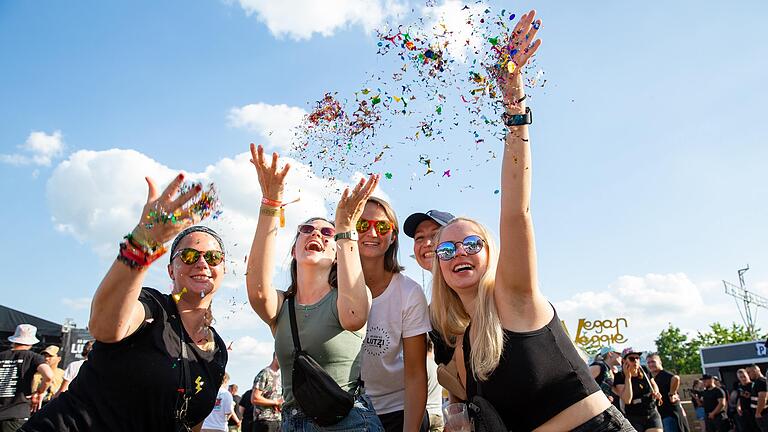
{"x":309,"y":229}
{"x":190,"y":256}
{"x":446,"y":251}
{"x":382,"y":227}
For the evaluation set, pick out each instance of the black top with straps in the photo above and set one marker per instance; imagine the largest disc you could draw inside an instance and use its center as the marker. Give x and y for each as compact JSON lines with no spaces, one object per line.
{"x":132,"y":385}
{"x":539,"y":375}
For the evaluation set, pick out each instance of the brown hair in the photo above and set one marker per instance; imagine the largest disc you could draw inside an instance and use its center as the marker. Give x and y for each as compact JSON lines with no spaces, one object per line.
{"x":391,"y":263}
{"x":332,"y":275}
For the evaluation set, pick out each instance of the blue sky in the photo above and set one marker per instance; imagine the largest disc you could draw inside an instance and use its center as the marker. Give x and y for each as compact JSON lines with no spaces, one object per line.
{"x":650,"y":174}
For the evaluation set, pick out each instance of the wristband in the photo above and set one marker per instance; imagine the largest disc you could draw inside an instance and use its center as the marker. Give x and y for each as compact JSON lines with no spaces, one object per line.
{"x":269,"y":202}
{"x":138,"y":256}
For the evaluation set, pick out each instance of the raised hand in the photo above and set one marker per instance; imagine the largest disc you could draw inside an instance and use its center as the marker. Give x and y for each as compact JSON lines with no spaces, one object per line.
{"x":522,"y":46}
{"x":352,"y":203}
{"x":271,"y":180}
{"x":167,"y":214}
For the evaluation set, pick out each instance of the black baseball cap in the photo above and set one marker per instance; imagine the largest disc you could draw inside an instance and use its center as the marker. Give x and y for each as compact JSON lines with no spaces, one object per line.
{"x":412,"y":222}
{"x":707,"y":376}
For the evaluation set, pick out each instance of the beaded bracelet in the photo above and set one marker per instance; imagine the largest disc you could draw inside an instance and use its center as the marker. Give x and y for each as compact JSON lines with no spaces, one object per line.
{"x":138,"y":256}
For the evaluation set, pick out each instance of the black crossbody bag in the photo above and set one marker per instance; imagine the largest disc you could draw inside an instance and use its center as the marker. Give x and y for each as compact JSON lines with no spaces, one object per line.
{"x":318,"y":395}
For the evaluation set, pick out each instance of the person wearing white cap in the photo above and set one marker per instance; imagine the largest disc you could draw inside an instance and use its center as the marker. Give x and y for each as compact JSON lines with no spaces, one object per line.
{"x":603,"y":369}
{"x":17,"y":367}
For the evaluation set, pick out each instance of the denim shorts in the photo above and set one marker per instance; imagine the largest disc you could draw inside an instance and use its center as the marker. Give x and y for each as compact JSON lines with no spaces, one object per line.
{"x":610,"y":420}
{"x":362,"y":418}
{"x":700,"y":413}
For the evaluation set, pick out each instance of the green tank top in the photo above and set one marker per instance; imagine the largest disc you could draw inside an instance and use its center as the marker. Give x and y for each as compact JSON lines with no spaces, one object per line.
{"x":321,"y":335}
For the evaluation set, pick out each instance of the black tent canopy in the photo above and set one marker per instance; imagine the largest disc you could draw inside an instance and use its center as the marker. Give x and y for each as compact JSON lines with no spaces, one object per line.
{"x":48,"y":332}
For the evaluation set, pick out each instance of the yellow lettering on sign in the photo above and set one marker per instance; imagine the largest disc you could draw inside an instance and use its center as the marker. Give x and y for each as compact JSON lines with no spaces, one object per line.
{"x":591,"y":335}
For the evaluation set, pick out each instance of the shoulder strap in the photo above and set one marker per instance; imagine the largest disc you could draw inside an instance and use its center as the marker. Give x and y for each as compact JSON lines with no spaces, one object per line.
{"x":294,"y":327}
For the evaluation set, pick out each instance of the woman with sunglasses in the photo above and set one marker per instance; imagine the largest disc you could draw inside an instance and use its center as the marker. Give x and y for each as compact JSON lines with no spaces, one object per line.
{"x":511,"y":348}
{"x":395,"y":347}
{"x":331,"y":300}
{"x":157,"y":363}
{"x":639,"y":392}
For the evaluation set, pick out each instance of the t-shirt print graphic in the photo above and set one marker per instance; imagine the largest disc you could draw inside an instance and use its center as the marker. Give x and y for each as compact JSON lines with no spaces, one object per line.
{"x":9,"y":377}
{"x":377,"y":341}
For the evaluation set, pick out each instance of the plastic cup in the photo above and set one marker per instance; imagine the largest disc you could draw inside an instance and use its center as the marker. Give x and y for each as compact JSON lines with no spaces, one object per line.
{"x":457,"y":418}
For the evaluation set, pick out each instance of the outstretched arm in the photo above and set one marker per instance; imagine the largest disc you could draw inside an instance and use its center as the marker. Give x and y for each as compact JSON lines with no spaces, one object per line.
{"x":115,"y":310}
{"x":258,"y":278}
{"x":354,"y":299}
{"x":517,"y":279}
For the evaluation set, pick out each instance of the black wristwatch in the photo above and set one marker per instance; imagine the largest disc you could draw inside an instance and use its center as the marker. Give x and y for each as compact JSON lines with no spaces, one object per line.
{"x":518,"y":119}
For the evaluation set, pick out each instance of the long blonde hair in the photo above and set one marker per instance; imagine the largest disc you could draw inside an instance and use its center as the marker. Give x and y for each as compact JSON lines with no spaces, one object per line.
{"x":452,"y":320}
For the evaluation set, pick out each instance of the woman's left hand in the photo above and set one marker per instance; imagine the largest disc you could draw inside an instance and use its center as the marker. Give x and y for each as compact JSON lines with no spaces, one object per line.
{"x":522,"y":46}
{"x":352,"y":203}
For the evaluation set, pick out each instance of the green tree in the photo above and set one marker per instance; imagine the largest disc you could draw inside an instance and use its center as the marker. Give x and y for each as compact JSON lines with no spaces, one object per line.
{"x":682,"y":355}
{"x":677,"y":352}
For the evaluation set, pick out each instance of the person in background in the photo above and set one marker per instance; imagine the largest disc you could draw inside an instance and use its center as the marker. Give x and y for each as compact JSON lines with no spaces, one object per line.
{"x":697,"y":389}
{"x":394,"y":367}
{"x":640,"y":398}
{"x":745,"y":413}
{"x":434,"y":392}
{"x":603,"y":370}
{"x":422,"y":227}
{"x":17,"y":367}
{"x":245,"y":411}
{"x":759,"y":396}
{"x":74,"y":368}
{"x":671,"y":411}
{"x":266,"y":398}
{"x":234,"y":422}
{"x":52,"y":357}
{"x":222,"y":410}
{"x":713,"y":398}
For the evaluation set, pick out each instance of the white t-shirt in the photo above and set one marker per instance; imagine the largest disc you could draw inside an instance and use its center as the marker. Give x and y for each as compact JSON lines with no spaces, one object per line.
{"x":73,"y":369}
{"x":434,"y":390}
{"x":217,"y":419}
{"x":399,"y":312}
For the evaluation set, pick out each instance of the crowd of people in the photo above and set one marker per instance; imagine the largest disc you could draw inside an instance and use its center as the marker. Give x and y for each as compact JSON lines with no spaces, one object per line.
{"x":358,"y":346}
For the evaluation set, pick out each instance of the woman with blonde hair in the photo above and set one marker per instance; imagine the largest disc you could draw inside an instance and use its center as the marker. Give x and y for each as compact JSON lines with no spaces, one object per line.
{"x":395,"y":348}
{"x":328,"y":294}
{"x":511,"y":348}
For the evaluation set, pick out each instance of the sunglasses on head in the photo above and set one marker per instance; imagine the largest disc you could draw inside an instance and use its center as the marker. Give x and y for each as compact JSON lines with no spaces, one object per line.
{"x":309,"y":229}
{"x":190,"y":256}
{"x":382,"y":227}
{"x":471,"y":244}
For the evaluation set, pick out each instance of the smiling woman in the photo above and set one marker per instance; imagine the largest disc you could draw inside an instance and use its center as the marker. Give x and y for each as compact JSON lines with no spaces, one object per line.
{"x":317,"y":321}
{"x":507,"y":335}
{"x":164,"y":360}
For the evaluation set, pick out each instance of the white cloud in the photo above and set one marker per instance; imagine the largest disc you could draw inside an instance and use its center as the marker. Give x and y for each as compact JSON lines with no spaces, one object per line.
{"x":301,"y":19}
{"x":40,"y":149}
{"x":77,"y":303}
{"x":275,"y":123}
{"x":450,"y":21}
{"x":97,"y":197}
{"x":650,"y":303}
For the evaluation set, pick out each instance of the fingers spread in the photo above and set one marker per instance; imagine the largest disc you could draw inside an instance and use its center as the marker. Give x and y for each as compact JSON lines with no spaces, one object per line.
{"x":184,"y":198}
{"x":173,"y":188}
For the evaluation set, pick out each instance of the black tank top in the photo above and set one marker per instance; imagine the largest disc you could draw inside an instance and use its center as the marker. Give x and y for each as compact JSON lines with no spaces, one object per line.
{"x":539,"y":375}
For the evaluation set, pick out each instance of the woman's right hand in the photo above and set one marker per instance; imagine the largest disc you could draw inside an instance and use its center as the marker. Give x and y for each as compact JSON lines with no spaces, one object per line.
{"x":271,"y":180}
{"x":155,"y":228}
